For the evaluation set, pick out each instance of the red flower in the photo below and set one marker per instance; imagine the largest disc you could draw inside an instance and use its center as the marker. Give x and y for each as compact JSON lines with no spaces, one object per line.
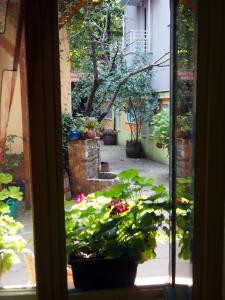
{"x":179,"y":199}
{"x":118,"y":206}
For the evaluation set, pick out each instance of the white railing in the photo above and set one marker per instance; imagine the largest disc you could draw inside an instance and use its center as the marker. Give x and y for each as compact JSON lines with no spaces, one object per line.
{"x":137,"y":41}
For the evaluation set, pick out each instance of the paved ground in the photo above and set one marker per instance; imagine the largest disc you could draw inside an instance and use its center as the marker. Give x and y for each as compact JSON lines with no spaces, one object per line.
{"x":155,"y":271}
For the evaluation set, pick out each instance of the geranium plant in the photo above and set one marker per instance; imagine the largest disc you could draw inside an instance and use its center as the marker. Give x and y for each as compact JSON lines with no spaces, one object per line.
{"x":116,"y":223}
{"x":11,"y":243}
{"x":184,"y":217}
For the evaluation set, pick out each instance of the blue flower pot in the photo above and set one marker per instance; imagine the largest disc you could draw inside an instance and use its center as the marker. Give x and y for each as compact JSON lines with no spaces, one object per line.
{"x":73,"y":134}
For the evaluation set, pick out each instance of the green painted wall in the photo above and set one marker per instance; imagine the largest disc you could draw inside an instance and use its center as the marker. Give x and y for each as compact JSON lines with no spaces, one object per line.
{"x":150,"y":150}
{"x":154,"y":153}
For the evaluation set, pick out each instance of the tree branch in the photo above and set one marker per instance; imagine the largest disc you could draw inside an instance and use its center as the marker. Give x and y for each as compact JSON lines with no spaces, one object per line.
{"x":89,"y":106}
{"x":157,"y":63}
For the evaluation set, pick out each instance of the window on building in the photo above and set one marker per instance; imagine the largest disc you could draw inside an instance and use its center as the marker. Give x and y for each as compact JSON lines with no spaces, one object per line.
{"x":109,"y":115}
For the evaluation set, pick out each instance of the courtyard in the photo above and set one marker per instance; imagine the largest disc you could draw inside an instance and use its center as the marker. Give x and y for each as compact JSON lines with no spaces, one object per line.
{"x":151,"y":272}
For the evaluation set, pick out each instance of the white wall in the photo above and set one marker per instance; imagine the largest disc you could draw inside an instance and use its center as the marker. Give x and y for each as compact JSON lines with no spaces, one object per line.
{"x":158,"y":21}
{"x":160,"y":32}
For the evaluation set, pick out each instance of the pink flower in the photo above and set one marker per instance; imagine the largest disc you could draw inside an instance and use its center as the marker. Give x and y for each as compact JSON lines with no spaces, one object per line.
{"x":80,"y":198}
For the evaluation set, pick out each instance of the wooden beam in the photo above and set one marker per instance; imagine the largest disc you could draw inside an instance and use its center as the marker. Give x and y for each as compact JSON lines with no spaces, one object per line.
{"x":25,"y":122}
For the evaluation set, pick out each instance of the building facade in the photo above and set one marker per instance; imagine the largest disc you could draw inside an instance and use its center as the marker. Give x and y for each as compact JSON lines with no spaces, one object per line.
{"x":146,"y":30}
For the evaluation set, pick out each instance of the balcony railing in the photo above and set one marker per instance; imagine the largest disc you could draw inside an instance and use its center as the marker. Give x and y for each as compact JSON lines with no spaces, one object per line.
{"x":137,"y":41}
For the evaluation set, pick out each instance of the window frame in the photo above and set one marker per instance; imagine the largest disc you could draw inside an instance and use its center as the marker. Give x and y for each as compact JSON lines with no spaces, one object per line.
{"x":45,"y":141}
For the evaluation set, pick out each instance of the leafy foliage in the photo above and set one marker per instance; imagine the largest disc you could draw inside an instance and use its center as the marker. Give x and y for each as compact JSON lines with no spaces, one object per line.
{"x":10,"y":241}
{"x":105,"y":79}
{"x":184,"y":217}
{"x":79,"y":123}
{"x":120,"y":222}
{"x":186,"y":37}
{"x":162,"y":129}
{"x":184,"y":123}
{"x":67,"y":124}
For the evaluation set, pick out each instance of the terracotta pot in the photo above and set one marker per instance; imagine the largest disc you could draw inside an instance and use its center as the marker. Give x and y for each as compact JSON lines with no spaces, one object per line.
{"x":91,"y":134}
{"x":158,"y":145}
{"x":182,"y":134}
{"x":104,"y":166}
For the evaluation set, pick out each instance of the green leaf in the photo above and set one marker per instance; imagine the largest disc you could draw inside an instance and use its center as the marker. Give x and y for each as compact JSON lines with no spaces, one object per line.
{"x":117,"y":190}
{"x":148,"y":219}
{"x":109,"y":225}
{"x":5,"y":178}
{"x":128,"y":174}
{"x":114,"y":249}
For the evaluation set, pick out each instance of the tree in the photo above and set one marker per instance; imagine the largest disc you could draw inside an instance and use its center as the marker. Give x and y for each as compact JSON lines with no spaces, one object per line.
{"x":99,"y":59}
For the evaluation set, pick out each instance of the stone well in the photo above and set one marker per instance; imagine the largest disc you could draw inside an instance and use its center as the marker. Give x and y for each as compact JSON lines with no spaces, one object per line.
{"x":84,"y":166}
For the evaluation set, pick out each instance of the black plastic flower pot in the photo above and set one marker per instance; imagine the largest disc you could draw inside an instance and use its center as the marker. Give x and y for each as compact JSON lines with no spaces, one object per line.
{"x":100,"y":273}
{"x":133,"y":149}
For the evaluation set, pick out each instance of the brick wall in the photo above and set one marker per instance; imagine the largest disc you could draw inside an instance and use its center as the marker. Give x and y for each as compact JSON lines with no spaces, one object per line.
{"x":184,"y":157}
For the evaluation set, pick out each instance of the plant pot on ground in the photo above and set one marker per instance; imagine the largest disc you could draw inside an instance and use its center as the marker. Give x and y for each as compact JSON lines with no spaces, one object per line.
{"x":134,"y":149}
{"x":162,"y":130}
{"x":184,"y":125}
{"x":104,"y":166}
{"x":121,"y":226}
{"x":110,"y":137}
{"x":136,"y":118}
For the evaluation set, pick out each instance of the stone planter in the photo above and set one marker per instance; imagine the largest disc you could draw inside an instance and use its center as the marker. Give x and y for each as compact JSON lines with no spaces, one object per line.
{"x":84,"y":165}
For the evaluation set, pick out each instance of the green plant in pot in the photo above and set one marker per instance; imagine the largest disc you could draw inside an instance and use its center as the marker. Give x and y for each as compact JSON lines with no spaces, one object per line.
{"x":162,"y":131}
{"x":11,"y":242}
{"x":135,"y":114}
{"x":93,"y":127}
{"x":108,"y":233}
{"x":184,"y":125}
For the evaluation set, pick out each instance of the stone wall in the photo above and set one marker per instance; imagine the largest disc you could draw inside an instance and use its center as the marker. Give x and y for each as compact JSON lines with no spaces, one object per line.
{"x":84,"y":166}
{"x":184,"y":157}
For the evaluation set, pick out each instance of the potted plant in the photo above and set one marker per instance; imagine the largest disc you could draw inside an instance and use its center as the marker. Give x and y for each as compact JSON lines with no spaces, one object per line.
{"x":184,"y":125}
{"x":136,"y":116}
{"x":11,"y":242}
{"x":109,"y":137}
{"x":161,"y":126}
{"x":93,"y":127}
{"x":108,"y":233}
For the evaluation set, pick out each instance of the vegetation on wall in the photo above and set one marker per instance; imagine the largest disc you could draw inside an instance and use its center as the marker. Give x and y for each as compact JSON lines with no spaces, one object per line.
{"x":162,"y":129}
